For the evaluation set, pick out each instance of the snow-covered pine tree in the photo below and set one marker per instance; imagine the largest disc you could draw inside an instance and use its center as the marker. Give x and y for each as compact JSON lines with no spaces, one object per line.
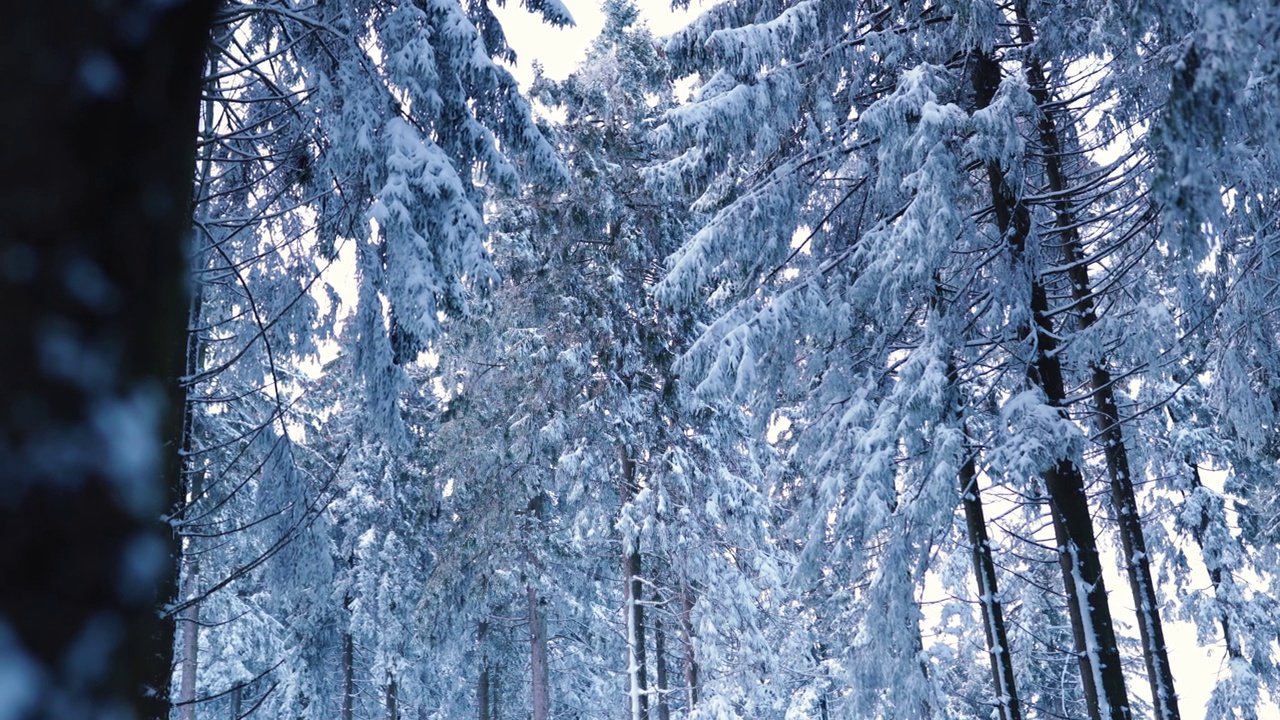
{"x":351,"y":129}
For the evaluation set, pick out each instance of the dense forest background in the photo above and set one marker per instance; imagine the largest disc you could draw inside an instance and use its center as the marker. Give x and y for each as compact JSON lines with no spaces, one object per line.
{"x":824,"y":359}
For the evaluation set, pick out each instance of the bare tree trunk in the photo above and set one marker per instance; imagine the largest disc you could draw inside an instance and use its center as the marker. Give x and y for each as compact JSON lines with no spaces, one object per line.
{"x":984,"y":570}
{"x":686,"y":637}
{"x":190,"y":632}
{"x":984,"y":573}
{"x":495,"y":697}
{"x":1094,"y":635}
{"x":633,"y":593}
{"x":538,"y":658}
{"x":660,"y":651}
{"x":348,"y":676}
{"x":393,"y":699}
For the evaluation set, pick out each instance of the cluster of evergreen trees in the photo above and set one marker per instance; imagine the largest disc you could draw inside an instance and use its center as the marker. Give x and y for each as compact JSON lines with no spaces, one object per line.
{"x":826,"y":391}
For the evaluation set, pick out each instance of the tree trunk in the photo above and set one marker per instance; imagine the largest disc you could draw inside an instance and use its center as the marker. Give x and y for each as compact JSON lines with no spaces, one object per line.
{"x":538,"y":659}
{"x":393,"y":699}
{"x":660,"y":660}
{"x":984,"y":573}
{"x":1094,"y":635}
{"x":190,"y":628}
{"x":99,"y":115}
{"x":633,"y":592}
{"x":348,"y":676}
{"x":1216,"y":576}
{"x":686,"y":637}
{"x":237,"y":698}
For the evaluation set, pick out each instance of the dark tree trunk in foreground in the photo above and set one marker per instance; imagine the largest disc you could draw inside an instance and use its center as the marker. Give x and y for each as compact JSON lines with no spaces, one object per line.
{"x":99,"y":120}
{"x":1094,"y":634}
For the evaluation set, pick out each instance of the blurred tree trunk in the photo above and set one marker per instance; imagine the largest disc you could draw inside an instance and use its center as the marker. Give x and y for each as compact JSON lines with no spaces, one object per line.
{"x":99,"y":115}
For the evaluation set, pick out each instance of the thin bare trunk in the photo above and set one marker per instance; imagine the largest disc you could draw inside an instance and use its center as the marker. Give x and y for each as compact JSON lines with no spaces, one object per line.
{"x":660,"y":661}
{"x":348,"y":677}
{"x":633,"y":592}
{"x":686,"y":636}
{"x":190,"y":647}
{"x":393,"y":698}
{"x":538,"y":658}
{"x":237,"y":699}
{"x":984,"y":572}
{"x":193,"y":489}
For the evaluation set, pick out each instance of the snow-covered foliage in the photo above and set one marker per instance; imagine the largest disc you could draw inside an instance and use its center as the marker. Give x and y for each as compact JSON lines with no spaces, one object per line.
{"x":719,"y":388}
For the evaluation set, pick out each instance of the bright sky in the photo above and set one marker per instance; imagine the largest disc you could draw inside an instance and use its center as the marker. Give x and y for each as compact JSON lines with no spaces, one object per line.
{"x":561,"y":49}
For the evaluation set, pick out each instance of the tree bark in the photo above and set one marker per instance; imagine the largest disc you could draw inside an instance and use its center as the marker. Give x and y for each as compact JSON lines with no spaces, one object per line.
{"x":1094,"y":635}
{"x":99,"y":115}
{"x":190,"y":626}
{"x":348,"y":676}
{"x":984,"y":570}
{"x":237,"y":699}
{"x":984,"y":573}
{"x":538,"y":659}
{"x":660,"y":660}
{"x":393,"y":698}
{"x":686,"y":637}
{"x":633,"y":592}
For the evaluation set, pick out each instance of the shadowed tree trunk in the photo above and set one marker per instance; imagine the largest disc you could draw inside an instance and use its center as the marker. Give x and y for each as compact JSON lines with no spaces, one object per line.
{"x":190,"y":661}
{"x":348,"y":676}
{"x":237,"y":699}
{"x":99,"y":115}
{"x":393,"y":699}
{"x":984,"y":568}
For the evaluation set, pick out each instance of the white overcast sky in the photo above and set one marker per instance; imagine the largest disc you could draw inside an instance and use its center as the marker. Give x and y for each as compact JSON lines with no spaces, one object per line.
{"x":561,"y":49}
